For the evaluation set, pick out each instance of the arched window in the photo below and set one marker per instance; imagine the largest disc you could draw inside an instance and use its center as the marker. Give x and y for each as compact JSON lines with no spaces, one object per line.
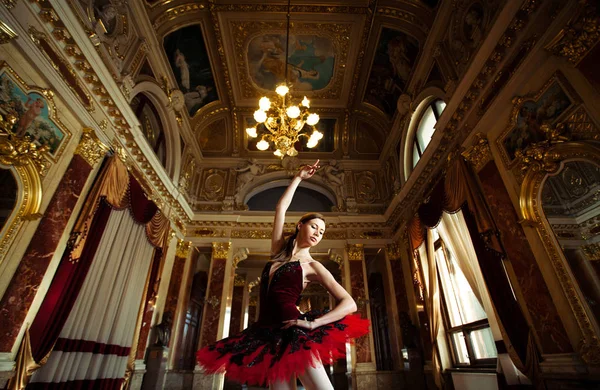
{"x":426,"y":128}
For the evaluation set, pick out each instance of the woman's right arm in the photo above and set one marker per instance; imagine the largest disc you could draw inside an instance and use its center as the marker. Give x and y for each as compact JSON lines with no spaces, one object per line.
{"x":277,"y":240}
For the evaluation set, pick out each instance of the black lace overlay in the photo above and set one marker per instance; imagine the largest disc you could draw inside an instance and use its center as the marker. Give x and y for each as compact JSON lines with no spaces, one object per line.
{"x":274,"y":341}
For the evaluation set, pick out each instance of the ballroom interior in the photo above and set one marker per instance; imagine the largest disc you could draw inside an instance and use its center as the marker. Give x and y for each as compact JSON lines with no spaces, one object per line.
{"x":459,"y":144}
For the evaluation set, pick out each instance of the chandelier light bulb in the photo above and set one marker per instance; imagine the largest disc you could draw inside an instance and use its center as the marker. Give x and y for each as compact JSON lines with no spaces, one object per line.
{"x":282,"y":90}
{"x":312,"y":119}
{"x":293,"y":112}
{"x":264,"y":103}
{"x":311,"y":143}
{"x":278,"y":153}
{"x":251,"y":131}
{"x":262,"y":145}
{"x":306,"y":102}
{"x":317,"y":135}
{"x":260,"y":116}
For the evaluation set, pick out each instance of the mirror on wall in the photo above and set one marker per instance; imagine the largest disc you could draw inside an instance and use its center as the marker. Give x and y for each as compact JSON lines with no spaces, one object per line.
{"x":8,"y":196}
{"x":571,"y":203}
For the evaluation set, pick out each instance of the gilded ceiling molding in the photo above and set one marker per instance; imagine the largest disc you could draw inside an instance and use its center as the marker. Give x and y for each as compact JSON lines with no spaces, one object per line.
{"x":361,"y":54}
{"x":220,"y":250}
{"x":479,"y":153}
{"x":6,"y":33}
{"x":451,"y":134}
{"x":90,"y":147}
{"x":158,"y":190}
{"x":355,"y":252}
{"x":175,"y":12}
{"x":397,"y":13}
{"x":62,"y":67}
{"x":183,"y":249}
{"x":592,"y":251}
{"x":580,"y":34}
{"x":548,"y":160}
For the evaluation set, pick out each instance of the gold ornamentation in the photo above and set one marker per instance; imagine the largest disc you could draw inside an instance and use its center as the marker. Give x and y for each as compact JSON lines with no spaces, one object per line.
{"x":254,"y":234}
{"x":592,"y":251}
{"x":220,"y":250}
{"x":183,"y":249}
{"x":339,"y":260}
{"x":28,"y":162}
{"x":253,"y":301}
{"x":479,"y":153}
{"x":532,"y":213}
{"x":6,"y":33}
{"x":239,"y":281}
{"x":240,"y":254}
{"x":539,"y":156}
{"x":581,"y":126}
{"x":253,"y":284}
{"x":394,"y":251}
{"x":355,"y":252}
{"x":367,"y":187}
{"x":214,"y":183}
{"x":90,"y":147}
{"x":580,"y":35}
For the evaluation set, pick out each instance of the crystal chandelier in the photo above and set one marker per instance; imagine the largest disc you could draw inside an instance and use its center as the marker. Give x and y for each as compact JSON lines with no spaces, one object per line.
{"x":285,"y":121}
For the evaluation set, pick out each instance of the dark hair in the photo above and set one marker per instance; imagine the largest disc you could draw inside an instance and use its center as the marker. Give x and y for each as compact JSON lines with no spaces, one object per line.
{"x":286,"y":252}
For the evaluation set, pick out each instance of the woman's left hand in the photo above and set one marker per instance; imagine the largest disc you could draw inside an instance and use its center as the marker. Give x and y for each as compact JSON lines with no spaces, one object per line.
{"x":299,"y":323}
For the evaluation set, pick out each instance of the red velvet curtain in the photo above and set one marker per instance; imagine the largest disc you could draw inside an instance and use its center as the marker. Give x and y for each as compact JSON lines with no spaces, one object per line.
{"x":70,"y":275}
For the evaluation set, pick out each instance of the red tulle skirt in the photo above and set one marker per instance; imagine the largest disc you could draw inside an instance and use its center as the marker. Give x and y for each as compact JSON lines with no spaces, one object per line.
{"x":265,"y":354}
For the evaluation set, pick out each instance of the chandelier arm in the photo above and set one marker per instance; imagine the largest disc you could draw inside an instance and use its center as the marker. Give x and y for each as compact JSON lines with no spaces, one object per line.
{"x":287,"y":44}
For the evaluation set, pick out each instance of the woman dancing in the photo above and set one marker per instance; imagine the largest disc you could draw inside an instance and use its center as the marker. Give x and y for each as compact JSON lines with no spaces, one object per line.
{"x":285,"y":344}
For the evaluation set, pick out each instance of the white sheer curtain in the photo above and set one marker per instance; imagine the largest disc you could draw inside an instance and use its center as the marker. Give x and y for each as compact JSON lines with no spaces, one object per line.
{"x":105,"y":312}
{"x":455,"y":234}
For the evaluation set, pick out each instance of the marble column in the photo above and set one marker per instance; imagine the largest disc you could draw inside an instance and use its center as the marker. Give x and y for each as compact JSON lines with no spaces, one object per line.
{"x":400,"y":308}
{"x":364,"y":367}
{"x":180,"y":284}
{"x":24,"y":285}
{"x":237,"y":304}
{"x":218,"y":298}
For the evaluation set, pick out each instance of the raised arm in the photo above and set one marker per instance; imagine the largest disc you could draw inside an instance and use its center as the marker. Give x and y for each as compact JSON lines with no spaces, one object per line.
{"x":277,"y":240}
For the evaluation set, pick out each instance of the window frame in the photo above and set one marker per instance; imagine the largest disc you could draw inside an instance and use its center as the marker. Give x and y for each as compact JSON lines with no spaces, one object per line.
{"x":466,"y":329}
{"x":415,"y":145}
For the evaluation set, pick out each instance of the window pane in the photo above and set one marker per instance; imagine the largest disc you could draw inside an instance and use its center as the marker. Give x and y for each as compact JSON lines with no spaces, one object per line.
{"x":460,"y":348}
{"x":439,"y":105}
{"x":483,"y":344}
{"x":415,"y":155}
{"x":425,"y":129}
{"x":463,"y":306}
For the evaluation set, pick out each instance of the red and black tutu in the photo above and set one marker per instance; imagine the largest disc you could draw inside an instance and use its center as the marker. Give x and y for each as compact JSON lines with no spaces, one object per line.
{"x":266,"y":353}
{"x":263,"y":354}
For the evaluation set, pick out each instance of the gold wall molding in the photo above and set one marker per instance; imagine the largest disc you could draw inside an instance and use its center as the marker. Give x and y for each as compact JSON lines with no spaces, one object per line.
{"x":29,"y":163}
{"x":90,"y":148}
{"x":356,"y":252}
{"x":479,"y":153}
{"x":220,"y":250}
{"x":138,"y":161}
{"x":580,"y":34}
{"x":592,"y":251}
{"x":183,"y":249}
{"x":533,"y":215}
{"x":6,"y":33}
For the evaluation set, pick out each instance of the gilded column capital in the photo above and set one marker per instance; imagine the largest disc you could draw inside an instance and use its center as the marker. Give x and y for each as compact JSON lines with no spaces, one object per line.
{"x":479,"y":153}
{"x":355,"y":251}
{"x":253,"y":284}
{"x":339,"y":260}
{"x":90,"y":147}
{"x":393,"y":251}
{"x":239,"y":281}
{"x":220,"y":250}
{"x":240,"y":254}
{"x":183,"y":249}
{"x":6,"y":33}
